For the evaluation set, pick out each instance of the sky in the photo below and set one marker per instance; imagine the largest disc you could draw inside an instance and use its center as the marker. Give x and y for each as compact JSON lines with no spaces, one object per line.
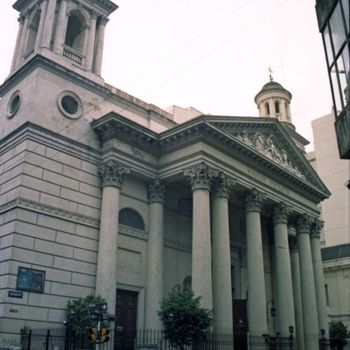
{"x":213,"y":56}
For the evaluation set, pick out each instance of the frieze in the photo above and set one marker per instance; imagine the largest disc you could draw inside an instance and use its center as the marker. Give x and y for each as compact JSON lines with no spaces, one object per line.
{"x":266,"y":145}
{"x":51,"y":211}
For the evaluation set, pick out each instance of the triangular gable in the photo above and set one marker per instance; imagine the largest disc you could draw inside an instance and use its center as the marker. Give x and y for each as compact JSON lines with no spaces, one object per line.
{"x":270,"y":140}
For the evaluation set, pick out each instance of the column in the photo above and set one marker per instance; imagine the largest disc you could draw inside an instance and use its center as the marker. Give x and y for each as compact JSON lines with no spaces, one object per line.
{"x":154,"y":282}
{"x":91,"y":40}
{"x":222,"y":286}
{"x":100,"y":42}
{"x":255,"y":263}
{"x":49,"y":21}
{"x":311,"y":329}
{"x":60,"y":28}
{"x":18,"y":40}
{"x":112,"y":176}
{"x":285,"y":307}
{"x":318,"y":274}
{"x":39,"y":34}
{"x":201,"y":177}
{"x":298,"y":309}
{"x":23,"y":39}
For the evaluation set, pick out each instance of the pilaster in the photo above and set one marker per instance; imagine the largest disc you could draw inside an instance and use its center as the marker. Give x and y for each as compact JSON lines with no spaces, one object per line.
{"x":60,"y":28}
{"x":49,"y":22}
{"x":18,"y":41}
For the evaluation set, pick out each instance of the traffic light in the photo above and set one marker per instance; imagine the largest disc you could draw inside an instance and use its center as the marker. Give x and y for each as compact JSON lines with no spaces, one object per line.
{"x":92,"y":334}
{"x":105,"y":335}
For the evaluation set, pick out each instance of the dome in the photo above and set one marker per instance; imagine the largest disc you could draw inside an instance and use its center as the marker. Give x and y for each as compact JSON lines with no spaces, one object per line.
{"x":272,"y":86}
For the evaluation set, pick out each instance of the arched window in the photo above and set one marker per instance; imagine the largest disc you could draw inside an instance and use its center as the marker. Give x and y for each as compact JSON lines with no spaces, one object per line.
{"x":32,"y":33}
{"x":75,"y":32}
{"x":277,"y":107}
{"x":267,"y":108}
{"x":130,"y":217}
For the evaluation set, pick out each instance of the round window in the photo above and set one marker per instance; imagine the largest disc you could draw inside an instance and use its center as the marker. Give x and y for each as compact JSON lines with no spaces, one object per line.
{"x":14,"y":104}
{"x":69,"y":105}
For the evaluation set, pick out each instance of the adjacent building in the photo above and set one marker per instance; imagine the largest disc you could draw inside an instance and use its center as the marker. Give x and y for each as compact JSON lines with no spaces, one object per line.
{"x":102,"y":192}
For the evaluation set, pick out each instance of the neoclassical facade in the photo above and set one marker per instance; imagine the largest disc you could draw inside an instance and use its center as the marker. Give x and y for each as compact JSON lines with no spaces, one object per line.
{"x":104,"y":193}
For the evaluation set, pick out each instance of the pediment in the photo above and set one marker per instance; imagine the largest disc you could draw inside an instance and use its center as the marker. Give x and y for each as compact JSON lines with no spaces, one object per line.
{"x":270,"y":140}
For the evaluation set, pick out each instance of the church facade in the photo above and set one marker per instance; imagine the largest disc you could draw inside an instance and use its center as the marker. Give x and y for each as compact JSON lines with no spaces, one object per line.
{"x":104,"y":193}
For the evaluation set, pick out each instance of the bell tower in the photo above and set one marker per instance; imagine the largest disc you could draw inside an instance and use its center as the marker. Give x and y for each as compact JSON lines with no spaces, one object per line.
{"x":70,"y":32}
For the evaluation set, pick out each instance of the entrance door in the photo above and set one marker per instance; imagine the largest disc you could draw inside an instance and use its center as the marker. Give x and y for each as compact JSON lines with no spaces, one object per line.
{"x":126,"y":311}
{"x":240,"y":323}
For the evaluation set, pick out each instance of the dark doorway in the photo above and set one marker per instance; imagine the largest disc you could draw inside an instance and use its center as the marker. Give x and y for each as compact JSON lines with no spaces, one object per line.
{"x":126,"y":311}
{"x":240,"y":323}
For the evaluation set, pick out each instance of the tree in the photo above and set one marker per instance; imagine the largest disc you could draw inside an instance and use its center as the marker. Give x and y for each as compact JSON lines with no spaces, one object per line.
{"x":338,"y":333}
{"x":183,"y":318}
{"x":78,"y":313}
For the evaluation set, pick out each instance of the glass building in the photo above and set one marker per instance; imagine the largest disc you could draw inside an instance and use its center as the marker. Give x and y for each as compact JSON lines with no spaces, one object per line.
{"x":333,"y":20}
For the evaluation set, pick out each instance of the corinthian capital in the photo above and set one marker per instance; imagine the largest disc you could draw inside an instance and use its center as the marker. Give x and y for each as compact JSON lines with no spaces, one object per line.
{"x":254,"y":200}
{"x":281,"y":213}
{"x":112,"y":174}
{"x":303,"y":224}
{"x":316,"y":228}
{"x":222,"y":185}
{"x":156,"y":191}
{"x":201,"y":176}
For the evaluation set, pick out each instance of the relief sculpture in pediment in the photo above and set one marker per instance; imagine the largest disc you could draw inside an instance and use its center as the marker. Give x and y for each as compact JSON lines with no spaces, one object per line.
{"x":266,"y":145}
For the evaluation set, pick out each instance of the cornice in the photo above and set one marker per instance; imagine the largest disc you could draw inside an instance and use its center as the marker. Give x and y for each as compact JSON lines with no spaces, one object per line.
{"x":107,"y":5}
{"x":105,"y":90}
{"x":36,"y":133}
{"x":50,"y":211}
{"x":223,"y":133}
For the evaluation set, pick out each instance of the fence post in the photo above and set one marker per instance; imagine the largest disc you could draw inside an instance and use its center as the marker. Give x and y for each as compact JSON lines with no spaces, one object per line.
{"x":47,"y":340}
{"x":29,"y":339}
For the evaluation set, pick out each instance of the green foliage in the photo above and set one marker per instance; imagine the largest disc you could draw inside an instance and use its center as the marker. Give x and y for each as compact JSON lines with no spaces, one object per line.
{"x":183,"y":318}
{"x":78,"y":312}
{"x":338,"y":333}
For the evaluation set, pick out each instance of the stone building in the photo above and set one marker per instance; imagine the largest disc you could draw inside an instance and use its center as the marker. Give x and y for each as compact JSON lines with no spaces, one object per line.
{"x":335,"y":173}
{"x":102,"y":192}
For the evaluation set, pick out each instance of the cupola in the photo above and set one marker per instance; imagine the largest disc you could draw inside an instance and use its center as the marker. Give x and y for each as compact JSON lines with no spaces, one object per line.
{"x":273,"y":101}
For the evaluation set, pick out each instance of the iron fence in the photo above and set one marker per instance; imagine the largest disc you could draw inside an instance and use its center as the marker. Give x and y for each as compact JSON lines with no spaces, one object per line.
{"x":65,"y":339}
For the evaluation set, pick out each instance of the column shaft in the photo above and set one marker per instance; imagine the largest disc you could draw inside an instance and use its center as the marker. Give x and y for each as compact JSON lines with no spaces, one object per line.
{"x":18,"y":40}
{"x":106,"y":277}
{"x":298,"y":309}
{"x":112,"y":176}
{"x":100,"y":44}
{"x":222,"y":285}
{"x":201,"y":248}
{"x":48,"y":26}
{"x":154,"y":284}
{"x":91,"y":41}
{"x":22,"y":42}
{"x":60,"y":28}
{"x":311,"y":329}
{"x":319,"y":278}
{"x":255,"y":264}
{"x":41,"y":26}
{"x":285,"y":307}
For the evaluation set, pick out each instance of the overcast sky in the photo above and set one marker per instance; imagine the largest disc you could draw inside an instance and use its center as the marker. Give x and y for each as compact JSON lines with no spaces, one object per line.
{"x":211,"y":55}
